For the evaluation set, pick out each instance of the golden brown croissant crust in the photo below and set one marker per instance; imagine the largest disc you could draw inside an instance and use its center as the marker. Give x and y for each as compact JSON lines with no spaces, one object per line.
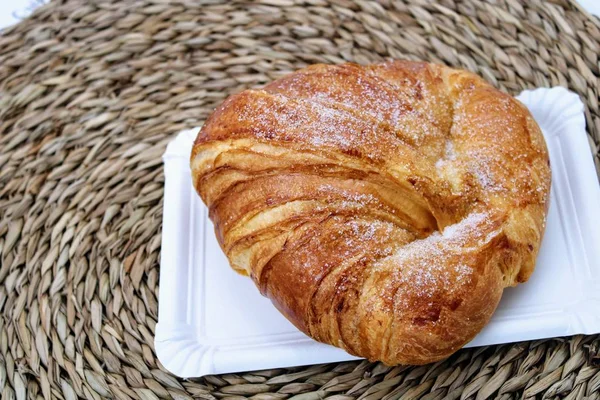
{"x":383,"y":208}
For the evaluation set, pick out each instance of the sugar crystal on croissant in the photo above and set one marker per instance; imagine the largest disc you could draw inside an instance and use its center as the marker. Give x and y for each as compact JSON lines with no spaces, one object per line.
{"x":383,"y":209}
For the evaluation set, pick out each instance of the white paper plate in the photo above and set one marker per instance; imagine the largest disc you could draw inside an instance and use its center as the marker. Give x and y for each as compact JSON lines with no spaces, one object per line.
{"x":212,"y":320}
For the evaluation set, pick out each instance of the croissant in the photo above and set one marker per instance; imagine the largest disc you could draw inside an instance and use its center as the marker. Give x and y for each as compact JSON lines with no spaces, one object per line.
{"x":383,"y":208}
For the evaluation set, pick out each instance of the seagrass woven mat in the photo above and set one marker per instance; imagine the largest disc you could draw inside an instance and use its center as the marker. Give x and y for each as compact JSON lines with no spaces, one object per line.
{"x":90,"y":94}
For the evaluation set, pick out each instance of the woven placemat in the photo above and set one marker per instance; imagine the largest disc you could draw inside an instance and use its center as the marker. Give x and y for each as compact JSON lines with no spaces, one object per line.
{"x":90,"y":94}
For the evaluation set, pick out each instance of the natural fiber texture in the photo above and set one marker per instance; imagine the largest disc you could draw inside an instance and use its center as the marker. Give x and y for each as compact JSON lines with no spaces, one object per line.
{"x":91,"y":92}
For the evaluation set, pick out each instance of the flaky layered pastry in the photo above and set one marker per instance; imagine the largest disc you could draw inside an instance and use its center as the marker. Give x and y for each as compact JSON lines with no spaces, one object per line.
{"x":384,"y":208}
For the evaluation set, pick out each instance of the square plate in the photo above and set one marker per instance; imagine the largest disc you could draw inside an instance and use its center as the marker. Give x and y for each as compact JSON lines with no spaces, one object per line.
{"x":212,"y":320}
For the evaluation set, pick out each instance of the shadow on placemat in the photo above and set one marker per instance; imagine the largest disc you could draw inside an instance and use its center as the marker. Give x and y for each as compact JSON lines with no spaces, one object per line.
{"x":90,"y":94}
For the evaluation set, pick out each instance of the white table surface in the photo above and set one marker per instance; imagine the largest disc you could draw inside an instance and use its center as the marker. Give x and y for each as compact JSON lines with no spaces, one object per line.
{"x":592,"y":6}
{"x":12,"y":10}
